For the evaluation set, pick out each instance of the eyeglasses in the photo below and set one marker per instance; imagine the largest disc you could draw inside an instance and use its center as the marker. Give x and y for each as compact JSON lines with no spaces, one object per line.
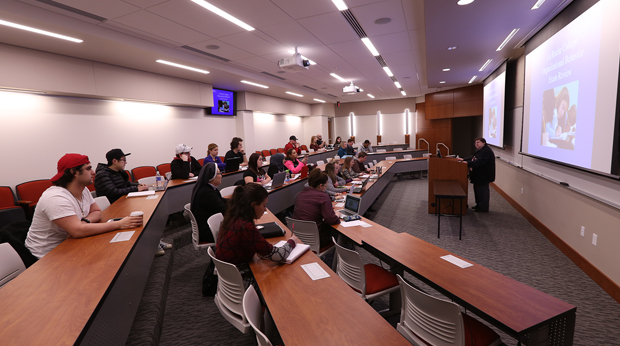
{"x":123,"y":160}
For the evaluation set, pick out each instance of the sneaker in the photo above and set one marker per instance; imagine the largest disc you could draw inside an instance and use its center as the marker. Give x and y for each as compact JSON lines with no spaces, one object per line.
{"x":164,"y":245}
{"x":160,"y":251}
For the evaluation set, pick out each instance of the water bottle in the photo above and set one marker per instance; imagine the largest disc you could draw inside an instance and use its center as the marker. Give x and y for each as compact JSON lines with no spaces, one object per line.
{"x":288,"y":176}
{"x":158,"y":182}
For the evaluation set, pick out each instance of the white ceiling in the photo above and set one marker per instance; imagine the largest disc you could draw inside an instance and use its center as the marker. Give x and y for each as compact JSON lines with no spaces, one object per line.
{"x":135,"y":33}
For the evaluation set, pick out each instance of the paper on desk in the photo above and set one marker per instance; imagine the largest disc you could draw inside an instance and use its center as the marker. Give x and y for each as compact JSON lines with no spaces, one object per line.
{"x":339,"y":205}
{"x":364,"y":176}
{"x":295,"y":176}
{"x":152,"y":197}
{"x":314,"y":271}
{"x":299,"y":250}
{"x":355,"y":223}
{"x":456,"y":261}
{"x":140,"y":193}
{"x":122,"y":236}
{"x":356,"y":182}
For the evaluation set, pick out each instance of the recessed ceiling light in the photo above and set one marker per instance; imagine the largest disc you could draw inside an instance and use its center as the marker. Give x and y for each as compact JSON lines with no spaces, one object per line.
{"x":512,"y":33}
{"x":537,"y":4}
{"x":442,"y":82}
{"x":464,"y":2}
{"x":303,"y":57}
{"x":472,"y":79}
{"x":298,"y":95}
{"x":403,"y":92}
{"x":258,"y":85}
{"x":446,"y":70}
{"x":319,"y":100}
{"x":223,"y":14}
{"x":340,"y":5}
{"x":370,"y":46}
{"x":451,"y":48}
{"x":338,"y":77}
{"x":39,"y":31}
{"x":397,"y":85}
{"x":369,"y":95}
{"x":485,"y":65}
{"x":182,"y":66}
{"x":386,"y":20}
{"x":388,"y":71}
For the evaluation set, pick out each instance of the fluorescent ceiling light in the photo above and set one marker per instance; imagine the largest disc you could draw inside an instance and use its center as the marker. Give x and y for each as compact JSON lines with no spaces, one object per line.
{"x":338,"y":77}
{"x":369,"y":95}
{"x":340,"y":5}
{"x":537,"y":4}
{"x":397,"y":85}
{"x":472,"y":79}
{"x":319,"y":100}
{"x":446,"y":70}
{"x":442,"y":82}
{"x":464,"y":2}
{"x":290,"y":93}
{"x":182,"y":66}
{"x":38,"y":31}
{"x":485,"y":65}
{"x":223,"y":14}
{"x":370,"y":47}
{"x":258,"y":85}
{"x":403,"y":92}
{"x":387,"y":70}
{"x":512,"y":33}
{"x":303,"y":57}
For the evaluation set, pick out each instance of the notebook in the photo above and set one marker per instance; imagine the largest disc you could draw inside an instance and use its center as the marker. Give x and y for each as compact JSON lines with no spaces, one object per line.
{"x":270,"y":230}
{"x":299,"y":250}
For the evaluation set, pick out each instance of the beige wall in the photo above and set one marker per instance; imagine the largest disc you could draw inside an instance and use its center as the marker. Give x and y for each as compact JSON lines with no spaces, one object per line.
{"x":269,"y":104}
{"x":372,"y":107}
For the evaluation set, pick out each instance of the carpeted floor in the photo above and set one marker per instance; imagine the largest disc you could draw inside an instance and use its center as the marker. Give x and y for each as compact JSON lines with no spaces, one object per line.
{"x":501,"y":240}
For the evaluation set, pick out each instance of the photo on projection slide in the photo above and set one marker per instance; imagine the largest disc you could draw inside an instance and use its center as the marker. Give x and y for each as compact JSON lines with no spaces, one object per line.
{"x":559,"y":116}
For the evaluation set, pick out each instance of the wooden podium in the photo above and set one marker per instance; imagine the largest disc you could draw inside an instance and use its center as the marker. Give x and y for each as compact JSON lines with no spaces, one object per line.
{"x":446,"y":169}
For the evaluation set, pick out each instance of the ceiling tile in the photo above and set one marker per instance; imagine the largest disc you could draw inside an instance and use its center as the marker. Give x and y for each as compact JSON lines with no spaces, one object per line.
{"x":356,"y":54}
{"x":392,"y":9}
{"x":257,"y":13}
{"x":414,"y":14}
{"x":252,"y":43}
{"x":261,"y":64}
{"x":145,"y":3}
{"x":108,"y":9}
{"x":156,"y":25}
{"x":225,"y":51}
{"x":329,"y":28}
{"x":357,"y":3}
{"x":291,"y":34}
{"x":398,"y":42}
{"x":304,"y":8}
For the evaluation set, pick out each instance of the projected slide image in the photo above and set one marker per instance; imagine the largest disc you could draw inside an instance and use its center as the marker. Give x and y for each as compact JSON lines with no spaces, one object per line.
{"x":493,"y":122}
{"x":223,"y":106}
{"x":559,"y":116}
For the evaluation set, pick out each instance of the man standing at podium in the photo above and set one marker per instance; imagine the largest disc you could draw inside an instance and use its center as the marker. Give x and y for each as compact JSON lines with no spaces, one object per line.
{"x":482,"y":172}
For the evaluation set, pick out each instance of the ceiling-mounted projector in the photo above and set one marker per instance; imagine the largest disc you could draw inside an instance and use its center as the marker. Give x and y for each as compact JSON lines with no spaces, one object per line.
{"x":294,"y":64}
{"x":351,"y":89}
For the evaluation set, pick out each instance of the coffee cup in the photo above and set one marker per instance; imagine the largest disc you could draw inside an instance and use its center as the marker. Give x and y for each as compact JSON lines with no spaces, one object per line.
{"x":137,"y":213}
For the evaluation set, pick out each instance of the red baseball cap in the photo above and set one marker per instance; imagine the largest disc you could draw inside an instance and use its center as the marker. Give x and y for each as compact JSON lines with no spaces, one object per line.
{"x":69,"y":161}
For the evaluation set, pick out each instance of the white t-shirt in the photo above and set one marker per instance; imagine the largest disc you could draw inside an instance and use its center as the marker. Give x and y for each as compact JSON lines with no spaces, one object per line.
{"x":55,"y":203}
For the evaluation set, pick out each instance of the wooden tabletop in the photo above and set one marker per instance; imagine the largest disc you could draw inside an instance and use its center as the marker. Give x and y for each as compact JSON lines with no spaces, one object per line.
{"x":321,"y":312}
{"x":448,"y":188}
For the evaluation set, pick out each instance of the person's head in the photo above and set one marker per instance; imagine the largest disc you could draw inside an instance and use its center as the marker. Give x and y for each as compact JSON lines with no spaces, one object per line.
{"x":247,"y":203}
{"x":73,"y":168}
{"x":317,"y":179}
{"x":236,"y":144}
{"x":572,"y":115}
{"x":116,"y":159}
{"x":313,"y":140}
{"x":293,"y":140}
{"x":350,"y":141}
{"x":330,"y":170}
{"x":347,"y":162}
{"x":366,"y":143}
{"x":183,"y":149}
{"x":362,"y":156}
{"x":209,"y":174}
{"x":278,"y":161}
{"x":338,"y":140}
{"x":291,"y":154}
{"x":319,"y":137}
{"x":562,"y":101}
{"x":480,"y":142}
{"x":213,"y":150}
{"x":255,"y":162}
{"x":343,"y":145}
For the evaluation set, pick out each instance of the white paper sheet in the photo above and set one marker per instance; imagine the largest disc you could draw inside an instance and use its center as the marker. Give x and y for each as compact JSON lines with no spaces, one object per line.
{"x":456,"y":261}
{"x":314,"y":271}
{"x":152,"y":197}
{"x":140,"y":194}
{"x":122,"y":236}
{"x":355,"y":223}
{"x":340,"y":205}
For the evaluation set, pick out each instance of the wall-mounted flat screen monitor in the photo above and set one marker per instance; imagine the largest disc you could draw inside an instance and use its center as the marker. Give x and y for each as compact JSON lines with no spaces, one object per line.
{"x":224,"y":103}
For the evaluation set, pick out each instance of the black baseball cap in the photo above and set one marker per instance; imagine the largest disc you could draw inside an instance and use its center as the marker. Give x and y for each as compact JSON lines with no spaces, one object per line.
{"x":115,"y":154}
{"x":292,"y":137}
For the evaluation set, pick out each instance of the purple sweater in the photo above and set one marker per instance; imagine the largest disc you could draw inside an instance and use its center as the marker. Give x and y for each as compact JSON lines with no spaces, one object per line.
{"x":314,"y":205}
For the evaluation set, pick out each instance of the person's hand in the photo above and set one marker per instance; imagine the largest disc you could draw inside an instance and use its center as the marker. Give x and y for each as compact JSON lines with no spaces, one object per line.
{"x":143,"y":187}
{"x":295,"y":239}
{"x":558,"y":131}
{"x":185,"y":157}
{"x":305,"y":160}
{"x":129,"y":222}
{"x":191,"y":175}
{"x":459,"y":159}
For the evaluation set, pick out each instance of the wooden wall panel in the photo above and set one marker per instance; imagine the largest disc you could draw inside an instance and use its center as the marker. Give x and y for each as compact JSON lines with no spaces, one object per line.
{"x":439,"y":98}
{"x":433,"y":131}
{"x":468,"y":108}
{"x":461,"y":102}
{"x":440,"y":111}
{"x":470,"y":93}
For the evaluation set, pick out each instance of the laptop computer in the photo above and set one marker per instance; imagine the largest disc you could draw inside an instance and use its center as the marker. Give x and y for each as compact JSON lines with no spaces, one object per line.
{"x":278,"y":180}
{"x":232,"y":164}
{"x":351,"y":206}
{"x":360,"y":188}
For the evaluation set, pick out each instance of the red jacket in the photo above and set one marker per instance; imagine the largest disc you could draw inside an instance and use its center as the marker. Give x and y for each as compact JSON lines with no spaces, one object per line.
{"x":290,"y":146}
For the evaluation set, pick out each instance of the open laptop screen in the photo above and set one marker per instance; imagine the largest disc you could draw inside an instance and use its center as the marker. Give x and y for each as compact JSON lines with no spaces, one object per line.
{"x":352,"y":203}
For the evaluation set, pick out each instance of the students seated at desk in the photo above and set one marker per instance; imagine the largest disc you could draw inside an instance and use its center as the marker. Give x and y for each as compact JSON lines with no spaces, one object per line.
{"x":212,"y":152}
{"x":292,"y":163}
{"x":313,"y":204}
{"x":111,"y":180}
{"x":255,"y":173}
{"x":292,"y":144}
{"x":313,"y":143}
{"x":337,"y":142}
{"x":276,"y":164}
{"x":335,"y":184}
{"x":236,"y":151}
{"x":319,"y":141}
{"x":342,"y":151}
{"x":347,"y":171}
{"x":207,"y":200}
{"x":366,"y":147}
{"x":68,"y":209}
{"x":358,"y":163}
{"x":239,"y":239}
{"x":184,"y":165}
{"x":350,"y":149}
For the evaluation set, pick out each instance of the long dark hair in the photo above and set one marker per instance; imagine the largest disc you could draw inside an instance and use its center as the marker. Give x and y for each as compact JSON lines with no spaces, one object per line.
{"x":253,"y":164}
{"x":337,"y":141}
{"x":240,"y":206}
{"x":330,"y":170}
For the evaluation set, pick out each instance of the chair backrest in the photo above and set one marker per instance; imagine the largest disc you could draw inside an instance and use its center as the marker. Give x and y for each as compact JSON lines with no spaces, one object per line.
{"x":143,"y":171}
{"x":350,"y":268}
{"x":303,"y":152}
{"x":436,"y":321}
{"x":320,"y":162}
{"x":195,"y":232}
{"x":201,"y":161}
{"x":147,"y":180}
{"x":370,"y":164}
{"x":214,"y":223}
{"x":163,"y":168}
{"x":10,"y":264}
{"x":304,"y":147}
{"x":407,"y":156}
{"x":7,"y":197}
{"x":103,"y":202}
{"x":91,"y":187}
{"x":230,"y":288}
{"x":281,"y":150}
{"x":273,"y":151}
{"x":253,"y":311}
{"x":336,"y":157}
{"x":129,"y":175}
{"x":227,"y":191}
{"x":398,"y":149}
{"x":306,"y":231}
{"x":393,"y":142}
{"x":390,"y":158}
{"x":374,"y":161}
{"x":266,"y":153}
{"x":381,"y":150}
{"x":32,"y":190}
{"x":313,"y":150}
